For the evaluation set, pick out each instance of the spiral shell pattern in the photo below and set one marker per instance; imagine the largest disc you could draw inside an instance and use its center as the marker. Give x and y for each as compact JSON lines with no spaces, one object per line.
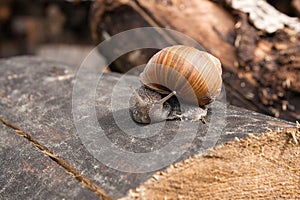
{"x":195,"y":75}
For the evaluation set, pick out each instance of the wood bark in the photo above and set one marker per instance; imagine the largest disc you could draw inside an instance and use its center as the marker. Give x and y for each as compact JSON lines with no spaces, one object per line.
{"x":257,"y":45}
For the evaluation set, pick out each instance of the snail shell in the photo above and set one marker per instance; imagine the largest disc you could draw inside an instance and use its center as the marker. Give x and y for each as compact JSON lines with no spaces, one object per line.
{"x":194,"y":75}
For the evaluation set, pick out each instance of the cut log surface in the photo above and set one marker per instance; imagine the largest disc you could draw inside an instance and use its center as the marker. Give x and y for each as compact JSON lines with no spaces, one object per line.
{"x":50,"y":160}
{"x":263,"y":167}
{"x":257,"y":45}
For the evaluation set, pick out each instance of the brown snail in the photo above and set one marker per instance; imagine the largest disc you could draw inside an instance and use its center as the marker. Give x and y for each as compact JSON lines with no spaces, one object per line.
{"x":193,"y":75}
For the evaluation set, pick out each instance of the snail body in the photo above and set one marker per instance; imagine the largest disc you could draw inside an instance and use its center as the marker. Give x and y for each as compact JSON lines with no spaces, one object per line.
{"x":193,"y":75}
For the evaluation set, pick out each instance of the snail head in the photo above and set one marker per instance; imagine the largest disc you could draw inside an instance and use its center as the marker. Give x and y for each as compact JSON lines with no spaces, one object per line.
{"x":151,"y":111}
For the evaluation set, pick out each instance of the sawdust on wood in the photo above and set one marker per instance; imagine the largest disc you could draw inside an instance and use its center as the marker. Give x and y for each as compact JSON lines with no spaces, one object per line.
{"x":264,"y":167}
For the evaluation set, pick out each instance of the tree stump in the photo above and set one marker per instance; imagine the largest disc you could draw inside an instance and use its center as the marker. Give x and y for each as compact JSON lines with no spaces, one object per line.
{"x":41,"y":144}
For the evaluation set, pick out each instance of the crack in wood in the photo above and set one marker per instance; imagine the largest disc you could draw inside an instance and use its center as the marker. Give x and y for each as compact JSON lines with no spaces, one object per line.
{"x":87,"y":183}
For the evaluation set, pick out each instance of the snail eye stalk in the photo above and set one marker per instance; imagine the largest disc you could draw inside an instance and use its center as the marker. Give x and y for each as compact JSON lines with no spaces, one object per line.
{"x":139,"y":99}
{"x":163,"y":100}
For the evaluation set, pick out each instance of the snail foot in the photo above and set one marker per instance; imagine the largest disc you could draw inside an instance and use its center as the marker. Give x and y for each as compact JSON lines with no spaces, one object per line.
{"x":192,"y":113}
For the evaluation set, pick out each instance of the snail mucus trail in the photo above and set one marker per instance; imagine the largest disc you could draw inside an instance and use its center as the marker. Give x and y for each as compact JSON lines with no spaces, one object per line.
{"x":193,"y":76}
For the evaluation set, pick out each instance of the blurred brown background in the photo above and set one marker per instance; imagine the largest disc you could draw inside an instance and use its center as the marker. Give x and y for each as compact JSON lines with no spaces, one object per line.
{"x":27,"y":25}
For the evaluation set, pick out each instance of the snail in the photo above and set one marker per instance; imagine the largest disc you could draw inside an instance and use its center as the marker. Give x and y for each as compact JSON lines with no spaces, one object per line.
{"x":192,"y":75}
